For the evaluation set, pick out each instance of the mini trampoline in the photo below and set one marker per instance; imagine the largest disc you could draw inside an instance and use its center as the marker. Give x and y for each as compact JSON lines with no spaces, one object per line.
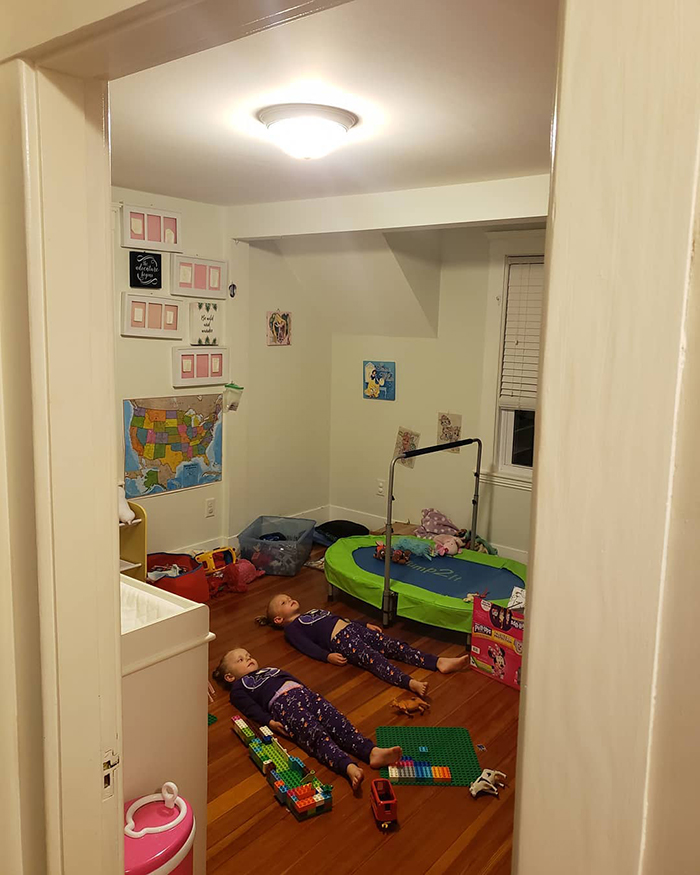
{"x":429,"y":591}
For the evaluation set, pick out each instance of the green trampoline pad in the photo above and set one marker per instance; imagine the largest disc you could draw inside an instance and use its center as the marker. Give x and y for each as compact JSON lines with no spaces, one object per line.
{"x":413,"y":602}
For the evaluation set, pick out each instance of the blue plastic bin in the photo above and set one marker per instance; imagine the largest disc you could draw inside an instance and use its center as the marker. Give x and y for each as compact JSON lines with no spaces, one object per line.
{"x":283,"y":557}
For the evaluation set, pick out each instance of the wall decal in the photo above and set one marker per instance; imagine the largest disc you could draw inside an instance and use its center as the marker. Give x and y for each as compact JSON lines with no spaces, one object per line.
{"x":279,"y":328}
{"x":145,"y":270}
{"x":149,"y":228}
{"x":206,"y":321}
{"x":171,"y":443}
{"x":379,"y":380}
{"x":199,"y":277}
{"x":449,"y":429}
{"x":148,"y":316}
{"x":406,"y":439}
{"x":199,"y":366}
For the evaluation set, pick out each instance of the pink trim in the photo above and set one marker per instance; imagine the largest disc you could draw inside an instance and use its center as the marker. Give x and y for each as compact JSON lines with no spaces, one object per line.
{"x":169,"y":224}
{"x":200,"y":276}
{"x":187,"y":375}
{"x":140,"y":217}
{"x":216,"y":365}
{"x":180,"y":284}
{"x":215,"y":278}
{"x":153,"y":228}
{"x":137,"y":322}
{"x":203,"y":365}
{"x":155,"y":315}
{"x":172,"y":325}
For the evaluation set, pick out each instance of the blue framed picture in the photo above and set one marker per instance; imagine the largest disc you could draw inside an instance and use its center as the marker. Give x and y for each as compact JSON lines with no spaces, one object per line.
{"x":379,"y":380}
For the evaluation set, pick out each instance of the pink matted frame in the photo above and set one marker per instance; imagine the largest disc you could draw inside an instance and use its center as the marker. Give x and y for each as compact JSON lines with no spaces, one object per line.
{"x":199,"y":277}
{"x":145,"y":315}
{"x":199,"y":366}
{"x":151,"y":228}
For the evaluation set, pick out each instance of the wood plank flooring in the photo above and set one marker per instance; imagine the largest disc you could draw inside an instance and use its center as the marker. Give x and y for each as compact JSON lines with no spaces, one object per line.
{"x":442,"y":829}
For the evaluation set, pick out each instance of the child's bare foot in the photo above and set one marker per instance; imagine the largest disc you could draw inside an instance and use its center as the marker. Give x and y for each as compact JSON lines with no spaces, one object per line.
{"x":447,"y":664}
{"x":420,"y":687}
{"x":355,"y":775}
{"x":383,"y":756}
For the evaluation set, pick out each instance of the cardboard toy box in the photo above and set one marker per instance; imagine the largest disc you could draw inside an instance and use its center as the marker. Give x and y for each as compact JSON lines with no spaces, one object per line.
{"x":497,"y":642}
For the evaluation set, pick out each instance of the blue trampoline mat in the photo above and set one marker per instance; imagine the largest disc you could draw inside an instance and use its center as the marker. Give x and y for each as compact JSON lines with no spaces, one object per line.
{"x":444,"y":575}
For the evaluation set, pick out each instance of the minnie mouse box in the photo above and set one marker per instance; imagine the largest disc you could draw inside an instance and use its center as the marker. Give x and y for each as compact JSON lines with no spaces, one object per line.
{"x":497,"y":642}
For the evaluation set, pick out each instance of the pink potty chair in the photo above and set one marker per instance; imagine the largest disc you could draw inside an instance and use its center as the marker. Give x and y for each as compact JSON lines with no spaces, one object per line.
{"x":158,"y":834}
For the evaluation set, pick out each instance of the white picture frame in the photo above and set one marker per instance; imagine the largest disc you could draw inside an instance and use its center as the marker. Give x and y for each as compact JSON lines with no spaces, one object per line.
{"x":189,"y":368}
{"x":193,"y":277}
{"x":145,"y":315}
{"x":206,"y":323}
{"x":149,"y":228}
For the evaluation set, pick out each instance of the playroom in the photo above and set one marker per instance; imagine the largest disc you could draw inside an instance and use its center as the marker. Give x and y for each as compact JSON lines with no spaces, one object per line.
{"x":328,"y":257}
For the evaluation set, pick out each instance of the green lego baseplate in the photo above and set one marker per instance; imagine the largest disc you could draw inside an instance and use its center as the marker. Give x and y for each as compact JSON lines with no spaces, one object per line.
{"x":211,"y":719}
{"x":293,"y":784}
{"x":427,"y":751}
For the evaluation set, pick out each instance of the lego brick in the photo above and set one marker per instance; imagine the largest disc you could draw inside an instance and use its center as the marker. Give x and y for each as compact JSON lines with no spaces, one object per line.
{"x":448,"y":748}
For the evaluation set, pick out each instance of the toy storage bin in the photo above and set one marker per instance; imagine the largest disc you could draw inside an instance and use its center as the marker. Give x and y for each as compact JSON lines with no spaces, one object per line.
{"x":191,"y":585}
{"x":278,"y":557}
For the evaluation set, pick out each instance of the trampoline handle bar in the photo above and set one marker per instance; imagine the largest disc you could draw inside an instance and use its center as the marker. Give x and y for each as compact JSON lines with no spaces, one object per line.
{"x":388,"y":597}
{"x":423,"y":451}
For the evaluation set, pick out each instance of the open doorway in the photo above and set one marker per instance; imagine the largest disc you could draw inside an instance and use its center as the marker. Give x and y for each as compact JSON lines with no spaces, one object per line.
{"x":418,"y":243}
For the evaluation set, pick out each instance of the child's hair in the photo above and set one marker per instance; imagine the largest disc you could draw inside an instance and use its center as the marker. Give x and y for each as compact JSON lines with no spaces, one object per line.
{"x":268,"y":618}
{"x":220,"y":672}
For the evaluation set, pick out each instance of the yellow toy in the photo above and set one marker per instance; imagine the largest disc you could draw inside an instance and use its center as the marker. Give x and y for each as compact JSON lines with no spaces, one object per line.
{"x":215,"y":560}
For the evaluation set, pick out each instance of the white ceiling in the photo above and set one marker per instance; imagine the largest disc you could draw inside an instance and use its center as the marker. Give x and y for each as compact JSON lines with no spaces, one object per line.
{"x":447,"y":91}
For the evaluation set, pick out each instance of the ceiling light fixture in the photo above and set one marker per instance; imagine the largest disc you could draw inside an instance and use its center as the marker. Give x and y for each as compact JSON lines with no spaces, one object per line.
{"x":307,"y":130}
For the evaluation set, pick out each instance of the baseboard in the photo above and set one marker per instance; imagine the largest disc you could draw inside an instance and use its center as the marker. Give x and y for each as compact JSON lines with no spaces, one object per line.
{"x":512,"y":553}
{"x":371,"y":520}
{"x":320,"y":514}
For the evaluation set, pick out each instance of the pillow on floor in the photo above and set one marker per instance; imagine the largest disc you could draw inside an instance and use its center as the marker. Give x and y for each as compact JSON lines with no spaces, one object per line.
{"x":329,"y":533}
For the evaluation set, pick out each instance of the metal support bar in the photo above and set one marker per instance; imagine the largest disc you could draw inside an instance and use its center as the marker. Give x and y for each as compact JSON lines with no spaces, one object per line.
{"x":388,"y":598}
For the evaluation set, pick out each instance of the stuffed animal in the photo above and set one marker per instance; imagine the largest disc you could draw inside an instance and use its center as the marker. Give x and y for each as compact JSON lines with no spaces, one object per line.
{"x":401,"y":557}
{"x":416,"y":546}
{"x":448,"y":545}
{"x":410,"y":706}
{"x":235,"y":578}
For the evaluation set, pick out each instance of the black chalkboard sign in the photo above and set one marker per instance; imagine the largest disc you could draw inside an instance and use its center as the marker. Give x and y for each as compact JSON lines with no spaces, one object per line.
{"x":145,"y":270}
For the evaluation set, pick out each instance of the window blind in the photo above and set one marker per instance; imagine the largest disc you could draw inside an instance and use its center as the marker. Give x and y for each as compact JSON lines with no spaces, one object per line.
{"x":521,"y":335}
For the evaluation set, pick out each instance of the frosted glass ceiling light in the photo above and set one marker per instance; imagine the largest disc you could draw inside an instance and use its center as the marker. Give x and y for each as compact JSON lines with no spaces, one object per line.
{"x":307,"y":130}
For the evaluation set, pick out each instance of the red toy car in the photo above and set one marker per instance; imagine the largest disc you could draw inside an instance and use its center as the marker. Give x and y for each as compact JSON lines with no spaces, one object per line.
{"x":383,"y":803}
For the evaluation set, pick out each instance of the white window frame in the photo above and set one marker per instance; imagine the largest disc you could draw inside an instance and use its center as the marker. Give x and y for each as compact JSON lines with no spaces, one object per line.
{"x":505,"y":247}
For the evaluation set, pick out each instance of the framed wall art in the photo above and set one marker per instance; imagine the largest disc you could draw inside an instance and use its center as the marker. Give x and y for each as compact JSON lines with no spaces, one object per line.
{"x":199,"y":277}
{"x":199,"y":366}
{"x":279,"y":328}
{"x":149,"y":228}
{"x":206,"y":323}
{"x":145,"y":270}
{"x":379,"y":380}
{"x":148,"y":316}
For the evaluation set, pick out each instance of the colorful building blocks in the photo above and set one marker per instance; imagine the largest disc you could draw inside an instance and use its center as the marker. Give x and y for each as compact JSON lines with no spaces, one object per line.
{"x":431,"y":755}
{"x":293,"y":784}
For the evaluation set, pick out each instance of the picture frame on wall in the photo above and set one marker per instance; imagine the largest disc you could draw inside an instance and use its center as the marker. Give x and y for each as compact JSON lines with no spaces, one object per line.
{"x":279,"y":328}
{"x":145,"y":315}
{"x":151,"y":228}
{"x":379,"y":380}
{"x":145,"y":270}
{"x":199,"y":277}
{"x":199,"y":366}
{"x":206,"y":323}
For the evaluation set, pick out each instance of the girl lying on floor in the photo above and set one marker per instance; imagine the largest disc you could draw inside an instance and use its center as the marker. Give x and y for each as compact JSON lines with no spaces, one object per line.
{"x":276,"y":698}
{"x":330,"y":638}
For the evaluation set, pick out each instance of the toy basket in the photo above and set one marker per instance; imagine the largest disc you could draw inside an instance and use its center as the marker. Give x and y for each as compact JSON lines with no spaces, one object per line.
{"x":284,"y":556}
{"x":191,"y":585}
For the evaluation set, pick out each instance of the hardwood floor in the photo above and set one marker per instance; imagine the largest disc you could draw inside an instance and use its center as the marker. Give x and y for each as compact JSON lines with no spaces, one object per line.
{"x":442,"y":829}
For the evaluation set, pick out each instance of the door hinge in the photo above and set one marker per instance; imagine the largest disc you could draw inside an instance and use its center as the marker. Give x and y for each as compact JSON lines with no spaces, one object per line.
{"x":110,"y":761}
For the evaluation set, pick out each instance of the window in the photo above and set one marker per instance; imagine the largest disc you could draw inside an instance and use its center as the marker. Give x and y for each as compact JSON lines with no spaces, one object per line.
{"x":519,"y":363}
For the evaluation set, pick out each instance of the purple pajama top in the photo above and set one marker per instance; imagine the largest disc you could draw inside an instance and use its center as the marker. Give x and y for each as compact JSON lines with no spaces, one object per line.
{"x":311,"y":633}
{"x":252,"y":693}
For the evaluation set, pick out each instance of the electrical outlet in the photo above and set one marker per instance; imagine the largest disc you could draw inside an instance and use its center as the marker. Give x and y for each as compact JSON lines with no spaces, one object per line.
{"x":381,"y":485}
{"x":210,"y":507}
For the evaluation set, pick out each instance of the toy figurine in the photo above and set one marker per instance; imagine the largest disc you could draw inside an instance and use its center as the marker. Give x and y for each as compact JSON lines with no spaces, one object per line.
{"x":410,"y":706}
{"x":415,"y":546}
{"x":488,"y":782}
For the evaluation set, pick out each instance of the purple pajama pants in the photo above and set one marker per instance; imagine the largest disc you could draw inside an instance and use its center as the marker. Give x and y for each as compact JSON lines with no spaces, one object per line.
{"x":314,"y":724}
{"x":372,"y":651}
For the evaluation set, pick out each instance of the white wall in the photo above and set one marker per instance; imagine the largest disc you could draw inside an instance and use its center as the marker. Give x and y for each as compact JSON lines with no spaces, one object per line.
{"x":441,"y":374}
{"x":143,"y":367}
{"x":590,"y":799}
